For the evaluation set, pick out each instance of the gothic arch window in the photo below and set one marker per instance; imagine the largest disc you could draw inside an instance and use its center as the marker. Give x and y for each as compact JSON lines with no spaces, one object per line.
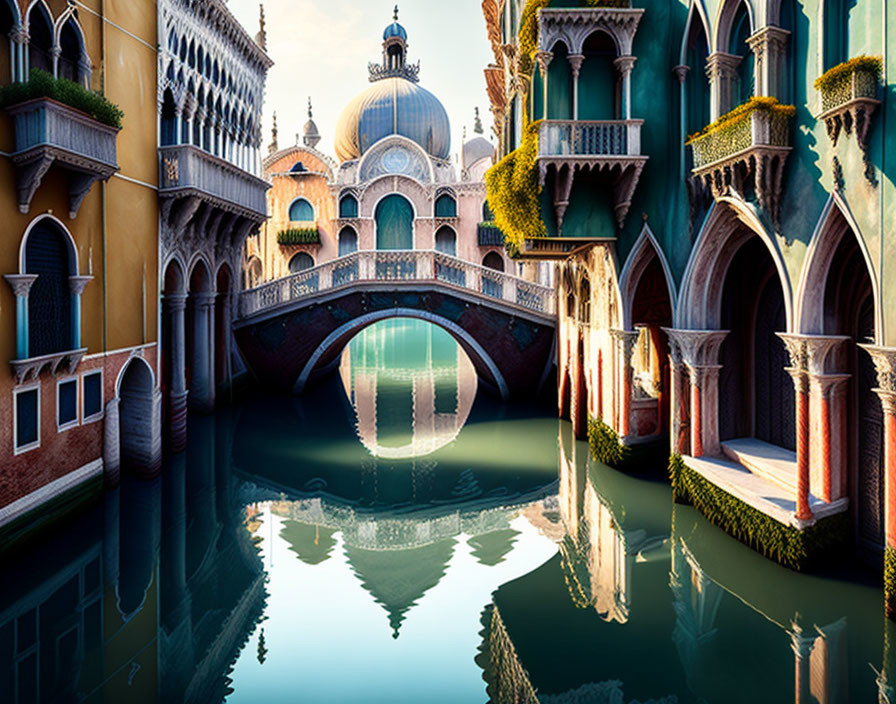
{"x":40,"y":43}
{"x":446,"y":241}
{"x":169,"y":119}
{"x":348,"y":206}
{"x":599,"y":87}
{"x":493,"y":260}
{"x":301,"y":211}
{"x":740,"y":32}
{"x":696,"y":84}
{"x":394,"y":223}
{"x":49,"y":254}
{"x":301,"y":262}
{"x":560,"y":84}
{"x":348,"y":241}
{"x":446,"y":206}
{"x":487,"y":214}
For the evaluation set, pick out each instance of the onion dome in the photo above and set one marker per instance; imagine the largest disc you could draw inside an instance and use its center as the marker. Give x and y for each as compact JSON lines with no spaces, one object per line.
{"x":311,"y":135}
{"x":395,"y":30}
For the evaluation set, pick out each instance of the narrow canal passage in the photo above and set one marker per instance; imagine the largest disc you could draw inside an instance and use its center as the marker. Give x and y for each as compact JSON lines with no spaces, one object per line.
{"x":393,"y":536}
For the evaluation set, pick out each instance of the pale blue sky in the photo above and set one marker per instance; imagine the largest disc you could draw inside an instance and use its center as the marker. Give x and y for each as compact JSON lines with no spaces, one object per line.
{"x":322,"y":47}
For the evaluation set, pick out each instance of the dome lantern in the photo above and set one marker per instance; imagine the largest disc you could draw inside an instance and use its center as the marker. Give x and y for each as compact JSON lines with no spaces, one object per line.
{"x":395,"y":55}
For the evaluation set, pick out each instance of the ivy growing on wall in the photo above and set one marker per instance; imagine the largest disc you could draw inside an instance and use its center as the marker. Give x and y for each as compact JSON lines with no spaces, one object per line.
{"x":796,"y":549}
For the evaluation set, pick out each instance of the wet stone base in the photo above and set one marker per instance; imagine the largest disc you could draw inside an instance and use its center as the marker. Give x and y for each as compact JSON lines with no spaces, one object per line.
{"x":797,"y":549}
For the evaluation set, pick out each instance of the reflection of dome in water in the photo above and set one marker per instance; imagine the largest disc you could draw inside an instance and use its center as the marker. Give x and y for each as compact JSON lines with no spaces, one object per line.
{"x":393,"y":106}
{"x":398,"y":579}
{"x":313,"y":544}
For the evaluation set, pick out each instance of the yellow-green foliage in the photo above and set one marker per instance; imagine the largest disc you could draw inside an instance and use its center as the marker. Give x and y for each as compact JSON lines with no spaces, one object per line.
{"x":796,"y":549}
{"x":743,"y":112}
{"x":514,"y":191}
{"x":890,"y":581}
{"x":606,"y":447}
{"x":833,"y":77}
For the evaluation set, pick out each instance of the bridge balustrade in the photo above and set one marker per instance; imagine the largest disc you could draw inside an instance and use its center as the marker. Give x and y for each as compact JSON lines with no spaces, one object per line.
{"x":398,"y":266}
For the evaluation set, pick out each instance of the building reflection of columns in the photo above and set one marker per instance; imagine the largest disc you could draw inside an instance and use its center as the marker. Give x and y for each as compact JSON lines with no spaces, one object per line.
{"x":802,"y":649}
{"x":625,"y":64}
{"x":721,"y":69}
{"x":544,"y":60}
{"x":175,"y":598}
{"x":885,"y":364}
{"x":623,"y":346}
{"x":174,"y":305}
{"x":678,"y":391}
{"x":201,"y":501}
{"x":202,"y":388}
{"x":579,"y":390}
{"x":700,"y":354}
{"x":140,"y":538}
{"x":811,"y":358}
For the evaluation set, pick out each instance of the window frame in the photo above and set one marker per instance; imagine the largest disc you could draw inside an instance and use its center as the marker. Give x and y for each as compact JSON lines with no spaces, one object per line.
{"x":21,"y":450}
{"x":61,"y":427}
{"x":99,"y":415}
{"x":293,"y":202}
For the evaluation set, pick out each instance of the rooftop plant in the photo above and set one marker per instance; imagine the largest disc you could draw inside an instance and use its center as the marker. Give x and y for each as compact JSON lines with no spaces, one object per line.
{"x":298,"y":235}
{"x":43,"y":85}
{"x":834,"y":77}
{"x":742,"y":113}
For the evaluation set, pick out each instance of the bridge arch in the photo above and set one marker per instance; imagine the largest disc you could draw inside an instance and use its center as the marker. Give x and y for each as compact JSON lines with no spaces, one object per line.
{"x":346,"y":332}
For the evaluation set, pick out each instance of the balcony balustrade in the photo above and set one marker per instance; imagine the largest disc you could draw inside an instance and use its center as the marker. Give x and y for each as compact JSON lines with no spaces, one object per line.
{"x":748,"y":149}
{"x":47,"y":133}
{"x":488,"y":235}
{"x":849,"y":101}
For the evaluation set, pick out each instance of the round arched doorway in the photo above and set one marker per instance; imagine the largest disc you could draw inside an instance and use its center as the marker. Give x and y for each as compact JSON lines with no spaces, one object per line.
{"x":394,"y":223}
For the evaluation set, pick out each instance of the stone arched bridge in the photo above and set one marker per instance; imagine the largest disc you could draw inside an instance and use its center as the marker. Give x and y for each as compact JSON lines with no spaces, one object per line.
{"x":295,"y":328}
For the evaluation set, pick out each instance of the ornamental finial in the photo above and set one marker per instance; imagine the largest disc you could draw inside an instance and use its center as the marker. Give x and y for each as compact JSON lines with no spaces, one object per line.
{"x":477,"y":124}
{"x":310,"y":116}
{"x":395,"y":14}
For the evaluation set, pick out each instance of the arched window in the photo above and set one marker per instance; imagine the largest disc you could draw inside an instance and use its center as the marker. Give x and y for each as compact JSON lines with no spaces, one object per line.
{"x":560,"y":84}
{"x":348,"y":241}
{"x":836,"y":32}
{"x":446,"y":241}
{"x":348,"y":206}
{"x":40,"y":44}
{"x":298,"y":168}
{"x":599,"y":88}
{"x":49,"y":255}
{"x":301,"y":262}
{"x":69,"y":65}
{"x":740,"y":32}
{"x":301,"y":211}
{"x":696,"y":84}
{"x":487,"y":214}
{"x":169,"y":120}
{"x":394,"y":223}
{"x":446,"y":206}
{"x":493,"y":260}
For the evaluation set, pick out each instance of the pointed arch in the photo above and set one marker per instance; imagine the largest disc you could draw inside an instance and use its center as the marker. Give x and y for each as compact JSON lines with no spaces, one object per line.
{"x":696,"y":14}
{"x":835,"y":222}
{"x":725,"y":20}
{"x":645,"y":249}
{"x":729,"y":224}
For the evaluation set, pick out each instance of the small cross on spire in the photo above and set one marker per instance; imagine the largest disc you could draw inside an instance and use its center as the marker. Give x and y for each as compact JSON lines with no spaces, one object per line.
{"x":310,"y":116}
{"x":395,"y":14}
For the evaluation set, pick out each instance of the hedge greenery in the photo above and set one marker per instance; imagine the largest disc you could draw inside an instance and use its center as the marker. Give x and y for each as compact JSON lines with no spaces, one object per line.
{"x":742,"y":113}
{"x":841,"y":73}
{"x":606,"y":447}
{"x":43,"y":85}
{"x":796,"y":549}
{"x":296,"y":235}
{"x":890,"y":581}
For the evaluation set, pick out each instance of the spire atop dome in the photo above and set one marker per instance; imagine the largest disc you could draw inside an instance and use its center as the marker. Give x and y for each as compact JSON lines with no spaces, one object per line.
{"x":273,"y":146}
{"x":395,"y":14}
{"x":262,"y":37}
{"x":477,"y":123}
{"x":312,"y":135}
{"x":395,"y":51}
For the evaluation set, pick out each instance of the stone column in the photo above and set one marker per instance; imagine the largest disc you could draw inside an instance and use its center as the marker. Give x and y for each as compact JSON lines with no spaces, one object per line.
{"x":625,"y":343}
{"x":175,"y":305}
{"x":769,"y":46}
{"x":18,"y":40}
{"x":111,"y":445}
{"x":681,"y":73}
{"x":55,"y":53}
{"x":21,"y":286}
{"x":77,"y":284}
{"x":676,"y":390}
{"x":700,"y":355}
{"x":575,"y":67}
{"x":201,"y":392}
{"x":721,"y":69}
{"x":826,"y":391}
{"x":885,"y":363}
{"x":625,"y":64}
{"x":799,"y":372}
{"x":544,"y":60}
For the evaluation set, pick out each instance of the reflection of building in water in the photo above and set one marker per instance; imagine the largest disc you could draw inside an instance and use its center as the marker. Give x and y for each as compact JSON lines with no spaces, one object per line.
{"x":411,"y":385}
{"x":701,"y":580}
{"x":154,"y":595}
{"x":598,"y":551}
{"x":399,"y":558}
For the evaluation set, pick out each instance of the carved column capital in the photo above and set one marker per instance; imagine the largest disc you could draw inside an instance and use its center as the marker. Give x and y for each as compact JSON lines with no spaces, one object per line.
{"x":722,"y":66}
{"x":625,"y":64}
{"x":575,"y":64}
{"x":78,"y":283}
{"x":681,"y":72}
{"x":544,"y":60}
{"x":826,"y":386}
{"x":19,"y":35}
{"x":768,"y":38}
{"x":703,"y":373}
{"x":884,"y":359}
{"x":626,"y":340}
{"x":698,"y":348}
{"x":175,"y":301}
{"x":21,"y":283}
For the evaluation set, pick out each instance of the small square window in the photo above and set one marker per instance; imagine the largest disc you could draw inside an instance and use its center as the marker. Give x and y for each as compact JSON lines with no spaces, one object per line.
{"x":93,"y":395}
{"x":27,"y":425}
{"x":67,"y":402}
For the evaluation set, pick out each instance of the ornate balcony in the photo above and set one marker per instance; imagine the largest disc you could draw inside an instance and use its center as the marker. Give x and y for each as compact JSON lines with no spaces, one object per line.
{"x":567,"y":146}
{"x":50,"y":133}
{"x":196,"y":185}
{"x":748,"y":147}
{"x":489,"y":235}
{"x":849,"y":98}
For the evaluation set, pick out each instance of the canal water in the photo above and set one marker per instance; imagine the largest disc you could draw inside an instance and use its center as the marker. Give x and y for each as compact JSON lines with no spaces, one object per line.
{"x":393,"y":536}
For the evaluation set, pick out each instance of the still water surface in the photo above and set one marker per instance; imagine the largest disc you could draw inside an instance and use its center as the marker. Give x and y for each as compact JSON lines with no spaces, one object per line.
{"x":393,"y":537}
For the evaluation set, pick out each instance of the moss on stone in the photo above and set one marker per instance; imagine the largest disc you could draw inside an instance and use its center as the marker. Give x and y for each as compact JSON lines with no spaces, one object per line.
{"x":606,"y":447}
{"x":890,"y":582}
{"x":796,"y":549}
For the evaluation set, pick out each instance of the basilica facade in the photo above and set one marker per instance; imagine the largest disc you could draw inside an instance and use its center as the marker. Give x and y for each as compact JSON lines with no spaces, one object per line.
{"x":391,"y":184}
{"x":711,"y":179}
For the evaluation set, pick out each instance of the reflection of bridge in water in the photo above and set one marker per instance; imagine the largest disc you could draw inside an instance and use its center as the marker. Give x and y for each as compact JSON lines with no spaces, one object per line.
{"x":291,"y":330}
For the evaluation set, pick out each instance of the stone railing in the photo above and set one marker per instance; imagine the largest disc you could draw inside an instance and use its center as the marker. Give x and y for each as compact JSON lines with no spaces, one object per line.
{"x":586,"y":138}
{"x":399,"y":266}
{"x":488,"y":235}
{"x":188,"y":170}
{"x":48,"y":132}
{"x":758,"y":128}
{"x":861,"y":83}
